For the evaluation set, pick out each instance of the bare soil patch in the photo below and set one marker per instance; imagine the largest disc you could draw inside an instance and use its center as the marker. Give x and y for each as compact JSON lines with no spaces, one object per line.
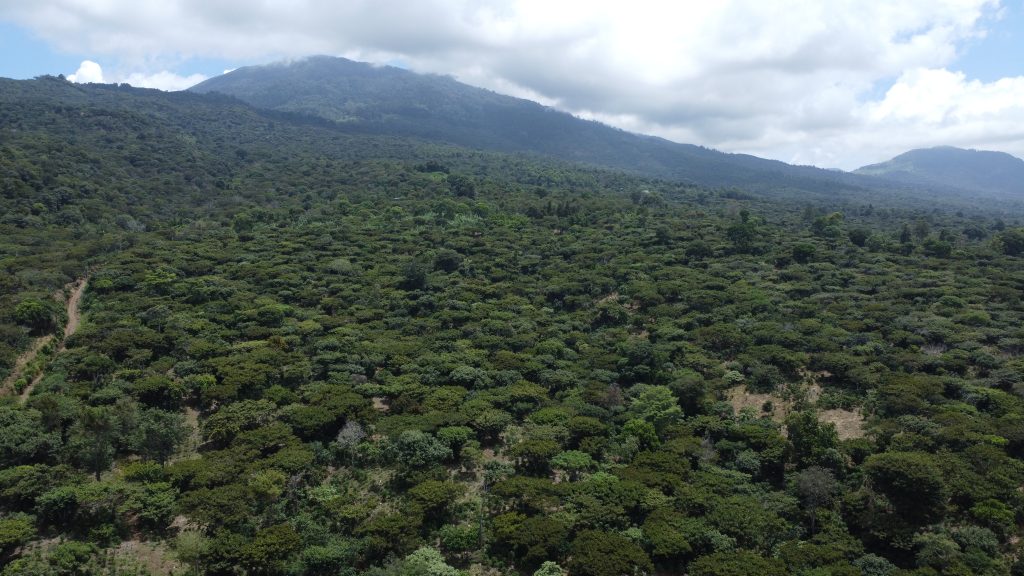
{"x":74,"y":301}
{"x":741,"y":399}
{"x":849,"y":424}
{"x":154,"y":557}
{"x":22,"y":361}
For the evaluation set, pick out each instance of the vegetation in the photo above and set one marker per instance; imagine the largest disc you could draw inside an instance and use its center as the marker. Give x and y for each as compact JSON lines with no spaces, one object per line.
{"x":370,"y":99}
{"x":307,"y":351}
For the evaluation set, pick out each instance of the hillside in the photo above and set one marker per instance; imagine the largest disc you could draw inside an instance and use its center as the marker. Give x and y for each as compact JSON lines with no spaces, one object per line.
{"x":388,"y":100}
{"x":304,"y":350}
{"x":973,"y":170}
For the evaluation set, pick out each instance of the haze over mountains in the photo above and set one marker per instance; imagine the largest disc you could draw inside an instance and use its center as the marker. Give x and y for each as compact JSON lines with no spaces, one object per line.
{"x":388,"y":100}
{"x":993,"y":172}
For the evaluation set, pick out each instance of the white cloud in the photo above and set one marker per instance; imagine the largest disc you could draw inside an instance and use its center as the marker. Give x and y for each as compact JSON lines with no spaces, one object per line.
{"x":843,"y":82}
{"x":88,"y":72}
{"x":163,"y":80}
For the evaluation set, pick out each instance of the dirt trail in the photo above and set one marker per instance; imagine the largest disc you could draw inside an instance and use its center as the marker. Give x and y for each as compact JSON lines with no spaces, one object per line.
{"x":23,"y":361}
{"x":74,"y":319}
{"x":74,"y":311}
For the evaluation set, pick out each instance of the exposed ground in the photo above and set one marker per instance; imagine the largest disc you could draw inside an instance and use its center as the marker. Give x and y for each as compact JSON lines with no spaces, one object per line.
{"x":74,"y":302}
{"x":742,"y":399}
{"x":22,"y":361}
{"x":849,"y":423}
{"x":74,"y":309}
{"x":152,"y":557}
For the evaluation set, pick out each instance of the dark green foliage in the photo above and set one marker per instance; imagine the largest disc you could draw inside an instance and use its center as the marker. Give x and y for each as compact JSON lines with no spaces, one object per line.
{"x":1011,"y":242}
{"x":23,"y":437}
{"x":15,"y":531}
{"x":595,"y":553}
{"x":859,"y":236}
{"x":302,"y":347}
{"x":270,"y":548}
{"x":803,"y":253}
{"x":736,"y":564}
{"x":39,"y":315}
{"x":814,"y":443}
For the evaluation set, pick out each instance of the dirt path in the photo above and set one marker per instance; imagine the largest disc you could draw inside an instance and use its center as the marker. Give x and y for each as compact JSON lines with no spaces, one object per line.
{"x":74,"y":310}
{"x":23,"y":361}
{"x":74,"y":319}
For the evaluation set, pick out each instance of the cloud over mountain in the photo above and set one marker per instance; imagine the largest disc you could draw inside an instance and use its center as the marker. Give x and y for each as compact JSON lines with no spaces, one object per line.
{"x":799,"y":80}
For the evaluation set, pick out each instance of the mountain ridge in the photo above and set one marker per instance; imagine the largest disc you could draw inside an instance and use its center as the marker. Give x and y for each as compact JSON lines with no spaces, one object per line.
{"x":995,"y":172}
{"x":389,"y":100}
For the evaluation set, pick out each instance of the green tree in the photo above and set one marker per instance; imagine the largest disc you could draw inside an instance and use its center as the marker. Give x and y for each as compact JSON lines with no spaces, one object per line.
{"x":435,"y":497}
{"x":549,"y":568}
{"x":158,"y":434}
{"x":573,"y":462}
{"x":191,"y":547}
{"x":461,"y":185}
{"x":739,"y":563}
{"x":38,"y":315}
{"x":416,"y":449}
{"x":743,"y":233}
{"x":92,"y":438}
{"x":829,"y":226}
{"x":270,"y":548}
{"x":23,"y":437}
{"x":803,"y":253}
{"x":1011,"y":241}
{"x":595,"y":553}
{"x":912,"y":483}
{"x":655,"y":404}
{"x":425,"y":561}
{"x":817,"y":488}
{"x":814,"y":442}
{"x":859,"y":236}
{"x":228,"y":421}
{"x":15,"y":531}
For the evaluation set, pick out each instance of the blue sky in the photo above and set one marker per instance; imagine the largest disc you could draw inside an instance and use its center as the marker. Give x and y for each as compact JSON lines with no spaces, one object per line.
{"x":26,"y":55}
{"x":1001,"y":52}
{"x":834,"y":84}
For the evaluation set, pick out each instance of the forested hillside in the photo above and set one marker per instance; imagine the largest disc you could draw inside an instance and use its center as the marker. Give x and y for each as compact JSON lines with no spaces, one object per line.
{"x":306,"y":351}
{"x":993,"y":172}
{"x":388,"y":100}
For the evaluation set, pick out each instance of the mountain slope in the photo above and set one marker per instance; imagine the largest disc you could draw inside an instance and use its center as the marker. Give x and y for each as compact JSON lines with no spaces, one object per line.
{"x":304,"y":350}
{"x":393,"y":101}
{"x":978,"y":170}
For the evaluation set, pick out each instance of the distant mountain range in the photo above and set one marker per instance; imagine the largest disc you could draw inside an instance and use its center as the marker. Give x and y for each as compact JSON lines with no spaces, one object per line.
{"x":392,"y":101}
{"x":980,"y":170}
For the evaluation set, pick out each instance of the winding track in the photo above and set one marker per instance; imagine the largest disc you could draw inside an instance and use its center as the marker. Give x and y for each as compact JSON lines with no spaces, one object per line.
{"x":74,"y":319}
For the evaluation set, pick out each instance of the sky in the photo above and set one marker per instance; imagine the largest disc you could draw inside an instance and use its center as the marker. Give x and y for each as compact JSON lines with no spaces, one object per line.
{"x":836,"y":84}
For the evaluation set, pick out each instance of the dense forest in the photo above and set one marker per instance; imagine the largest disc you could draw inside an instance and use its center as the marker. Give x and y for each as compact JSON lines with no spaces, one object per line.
{"x":304,"y":350}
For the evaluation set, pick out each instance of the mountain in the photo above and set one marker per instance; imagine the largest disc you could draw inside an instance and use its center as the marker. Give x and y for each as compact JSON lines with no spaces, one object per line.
{"x":388,"y":100}
{"x":975,"y":170}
